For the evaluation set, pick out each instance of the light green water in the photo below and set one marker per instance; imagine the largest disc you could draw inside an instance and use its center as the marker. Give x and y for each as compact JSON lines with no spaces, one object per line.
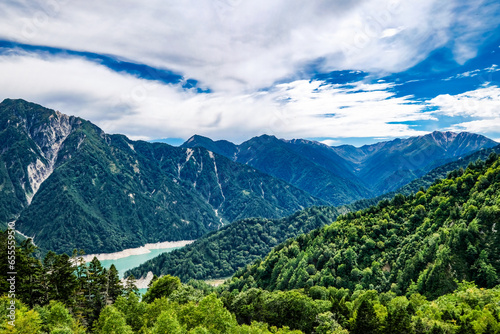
{"x":132,"y":261}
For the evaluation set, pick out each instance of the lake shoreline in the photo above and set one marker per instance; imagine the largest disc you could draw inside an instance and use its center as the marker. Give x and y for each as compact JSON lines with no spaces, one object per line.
{"x":137,"y":251}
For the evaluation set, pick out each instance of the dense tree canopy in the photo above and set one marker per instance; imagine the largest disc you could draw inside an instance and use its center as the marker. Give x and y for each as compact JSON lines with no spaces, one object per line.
{"x":419,"y":243}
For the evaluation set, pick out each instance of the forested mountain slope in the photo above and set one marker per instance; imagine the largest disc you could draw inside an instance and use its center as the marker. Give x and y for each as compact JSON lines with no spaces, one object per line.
{"x":420,"y":243}
{"x":220,"y":253}
{"x":70,"y":185}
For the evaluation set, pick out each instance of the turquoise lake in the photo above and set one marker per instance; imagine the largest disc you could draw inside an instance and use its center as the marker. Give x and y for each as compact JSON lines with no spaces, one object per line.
{"x":132,"y":261}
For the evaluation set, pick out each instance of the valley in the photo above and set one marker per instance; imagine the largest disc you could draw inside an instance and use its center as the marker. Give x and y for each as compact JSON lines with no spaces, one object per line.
{"x":295,"y":234}
{"x":113,"y":193}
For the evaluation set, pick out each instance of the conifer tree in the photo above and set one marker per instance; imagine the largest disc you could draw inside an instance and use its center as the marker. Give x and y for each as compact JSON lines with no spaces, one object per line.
{"x":114,"y":287}
{"x":366,"y":321}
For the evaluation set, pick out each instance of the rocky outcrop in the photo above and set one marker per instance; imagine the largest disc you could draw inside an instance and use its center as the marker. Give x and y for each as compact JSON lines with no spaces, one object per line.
{"x":49,"y":138}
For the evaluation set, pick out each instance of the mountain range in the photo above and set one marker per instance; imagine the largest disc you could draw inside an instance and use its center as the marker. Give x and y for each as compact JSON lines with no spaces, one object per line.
{"x":70,"y":185}
{"x":343,"y":174}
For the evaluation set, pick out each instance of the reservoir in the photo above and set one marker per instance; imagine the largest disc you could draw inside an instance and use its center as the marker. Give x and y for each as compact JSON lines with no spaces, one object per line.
{"x":133,"y":257}
{"x":125,"y":263}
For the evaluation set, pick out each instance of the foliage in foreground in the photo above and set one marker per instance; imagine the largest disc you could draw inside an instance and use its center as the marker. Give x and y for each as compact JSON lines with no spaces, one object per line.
{"x":320,"y":310}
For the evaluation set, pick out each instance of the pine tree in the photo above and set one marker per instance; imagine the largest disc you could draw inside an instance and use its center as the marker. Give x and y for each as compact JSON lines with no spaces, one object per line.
{"x":95,"y":281}
{"x":114,"y":287}
{"x":130,"y":285}
{"x":59,"y":272}
{"x":366,"y":321}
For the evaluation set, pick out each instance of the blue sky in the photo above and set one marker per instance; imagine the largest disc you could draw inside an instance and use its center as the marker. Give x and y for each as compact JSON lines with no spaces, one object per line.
{"x":334,"y":71}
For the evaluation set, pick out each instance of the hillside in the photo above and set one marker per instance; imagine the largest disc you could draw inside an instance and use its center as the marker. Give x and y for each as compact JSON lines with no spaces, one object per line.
{"x":221,"y":253}
{"x":420,"y":243}
{"x":70,"y":185}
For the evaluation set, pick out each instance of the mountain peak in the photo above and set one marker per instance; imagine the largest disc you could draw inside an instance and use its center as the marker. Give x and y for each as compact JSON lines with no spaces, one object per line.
{"x":222,"y":147}
{"x":197,"y":138}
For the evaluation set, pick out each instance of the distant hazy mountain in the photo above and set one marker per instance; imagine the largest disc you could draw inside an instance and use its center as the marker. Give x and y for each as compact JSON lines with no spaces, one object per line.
{"x":345,"y":173}
{"x":70,"y":185}
{"x":389,"y":165}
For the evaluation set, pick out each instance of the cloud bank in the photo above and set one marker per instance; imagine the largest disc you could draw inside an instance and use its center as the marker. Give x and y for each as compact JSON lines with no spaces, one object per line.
{"x":259,"y":60}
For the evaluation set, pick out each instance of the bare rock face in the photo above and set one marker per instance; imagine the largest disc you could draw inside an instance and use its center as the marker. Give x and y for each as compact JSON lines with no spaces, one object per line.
{"x":49,"y":138}
{"x":31,"y":138}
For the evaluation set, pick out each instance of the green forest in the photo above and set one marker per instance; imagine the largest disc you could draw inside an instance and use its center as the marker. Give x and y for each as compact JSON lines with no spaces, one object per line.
{"x":421,"y":263}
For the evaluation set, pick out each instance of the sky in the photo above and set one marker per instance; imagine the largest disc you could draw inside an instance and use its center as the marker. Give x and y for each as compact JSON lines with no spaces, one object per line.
{"x":340,"y":72}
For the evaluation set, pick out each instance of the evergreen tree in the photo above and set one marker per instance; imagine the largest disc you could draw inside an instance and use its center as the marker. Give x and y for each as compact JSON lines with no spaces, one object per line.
{"x":114,"y":287}
{"x":59,"y":272}
{"x":95,"y":290}
{"x":163,"y":287}
{"x":130,"y":286}
{"x":366,"y":321}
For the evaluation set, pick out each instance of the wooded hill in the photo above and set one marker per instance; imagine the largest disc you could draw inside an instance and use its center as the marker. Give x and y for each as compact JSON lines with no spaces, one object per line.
{"x":419,"y":243}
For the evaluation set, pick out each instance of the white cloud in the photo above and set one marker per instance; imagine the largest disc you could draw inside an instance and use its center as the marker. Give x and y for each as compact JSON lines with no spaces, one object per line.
{"x":331,"y":142}
{"x":490,"y":125}
{"x":485,"y":73}
{"x":391,"y":32}
{"x":121,"y":103}
{"x":481,"y":103}
{"x":236,"y":45}
{"x":240,"y":49}
{"x":481,"y":106}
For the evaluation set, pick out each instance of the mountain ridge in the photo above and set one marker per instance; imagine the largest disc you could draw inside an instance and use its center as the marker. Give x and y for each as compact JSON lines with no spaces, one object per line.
{"x":74,"y":186}
{"x":357,"y":173}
